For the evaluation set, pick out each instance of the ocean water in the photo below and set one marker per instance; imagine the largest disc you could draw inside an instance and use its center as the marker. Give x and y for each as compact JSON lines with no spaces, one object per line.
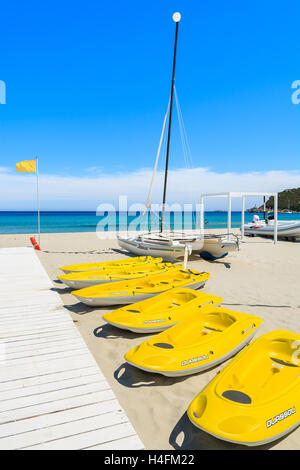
{"x":63,"y":222}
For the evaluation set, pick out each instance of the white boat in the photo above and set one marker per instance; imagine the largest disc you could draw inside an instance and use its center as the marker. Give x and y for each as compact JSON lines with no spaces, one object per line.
{"x":289,"y":229}
{"x":210,"y":247}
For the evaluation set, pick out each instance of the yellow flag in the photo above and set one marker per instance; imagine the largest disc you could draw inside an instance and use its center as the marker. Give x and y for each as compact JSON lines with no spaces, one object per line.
{"x":26,"y":165}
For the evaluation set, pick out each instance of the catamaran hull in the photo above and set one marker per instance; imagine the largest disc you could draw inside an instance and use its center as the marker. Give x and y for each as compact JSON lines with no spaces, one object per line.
{"x":128,"y":299}
{"x":209,"y":248}
{"x":216,"y":247}
{"x":139,"y":247}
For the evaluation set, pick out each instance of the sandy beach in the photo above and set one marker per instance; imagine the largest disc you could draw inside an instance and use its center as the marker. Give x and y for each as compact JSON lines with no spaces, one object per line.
{"x":262,"y":278}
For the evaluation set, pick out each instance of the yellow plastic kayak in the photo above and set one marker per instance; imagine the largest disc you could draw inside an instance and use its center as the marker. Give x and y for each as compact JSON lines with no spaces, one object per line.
{"x":160,"y":312}
{"x":256,"y":398}
{"x":71,"y":268}
{"x":80,"y":280}
{"x":201,"y":341}
{"x":127,"y":292}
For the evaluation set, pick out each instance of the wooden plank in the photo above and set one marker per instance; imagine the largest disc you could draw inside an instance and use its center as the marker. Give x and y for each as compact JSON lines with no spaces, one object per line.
{"x":7,"y":374}
{"x":44,"y":336}
{"x":29,"y":310}
{"x":131,"y":442}
{"x":47,"y":357}
{"x":54,"y":406}
{"x":38,"y":353}
{"x":23,"y":384}
{"x":60,"y":417}
{"x":81,"y":441}
{"x":40,"y":314}
{"x":39,"y":345}
{"x":49,"y":387}
{"x":32,"y":323}
{"x":50,"y":396}
{"x":48,"y":435}
{"x":10,"y":334}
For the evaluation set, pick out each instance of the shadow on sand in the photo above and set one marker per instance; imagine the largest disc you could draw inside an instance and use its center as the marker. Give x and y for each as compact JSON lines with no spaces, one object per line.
{"x":256,"y":305}
{"x":110,"y":332}
{"x":80,"y":309}
{"x":131,"y":377}
{"x":185,"y":436}
{"x":226,"y":265}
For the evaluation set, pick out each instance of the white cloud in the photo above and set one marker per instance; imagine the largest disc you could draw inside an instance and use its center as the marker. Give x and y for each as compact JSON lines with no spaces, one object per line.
{"x":4,"y":169}
{"x":18,"y":190}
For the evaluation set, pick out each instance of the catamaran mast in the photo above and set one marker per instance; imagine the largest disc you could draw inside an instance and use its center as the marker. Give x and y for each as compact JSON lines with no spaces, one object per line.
{"x":176,"y":18}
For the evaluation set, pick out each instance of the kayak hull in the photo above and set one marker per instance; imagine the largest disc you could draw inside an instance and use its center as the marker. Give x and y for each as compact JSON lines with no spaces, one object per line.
{"x":80,"y":280}
{"x":199,"y":342}
{"x":78,"y":284}
{"x":196,"y":370}
{"x":254,"y":443}
{"x":140,"y":260}
{"x":255,"y":399}
{"x":160,"y":312}
{"x":123,"y":300}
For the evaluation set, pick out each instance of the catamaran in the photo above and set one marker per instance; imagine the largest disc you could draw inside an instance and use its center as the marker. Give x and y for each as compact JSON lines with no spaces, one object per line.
{"x":171,"y":245}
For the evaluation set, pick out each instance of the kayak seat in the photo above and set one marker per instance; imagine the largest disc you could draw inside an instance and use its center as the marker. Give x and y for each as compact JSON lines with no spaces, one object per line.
{"x":219,"y":322}
{"x":282,"y":351}
{"x":283,"y":363}
{"x":163,"y":345}
{"x":237,"y":396}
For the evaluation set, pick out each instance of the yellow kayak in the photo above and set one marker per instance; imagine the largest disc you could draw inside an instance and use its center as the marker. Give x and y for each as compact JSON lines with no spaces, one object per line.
{"x":127,"y":292}
{"x":201,"y":341}
{"x":160,"y":312}
{"x":94,"y":277}
{"x":256,"y":398}
{"x":140,"y":260}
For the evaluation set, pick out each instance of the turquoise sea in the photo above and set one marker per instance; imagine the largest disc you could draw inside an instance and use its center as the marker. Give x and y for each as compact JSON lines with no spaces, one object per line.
{"x":62,"y":222}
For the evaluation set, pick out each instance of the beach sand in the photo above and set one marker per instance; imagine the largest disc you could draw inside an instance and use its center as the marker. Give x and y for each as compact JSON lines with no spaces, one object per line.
{"x":262,"y":278}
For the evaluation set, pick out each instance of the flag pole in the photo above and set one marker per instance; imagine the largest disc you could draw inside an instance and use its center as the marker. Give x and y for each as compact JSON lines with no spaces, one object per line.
{"x":38,"y":198}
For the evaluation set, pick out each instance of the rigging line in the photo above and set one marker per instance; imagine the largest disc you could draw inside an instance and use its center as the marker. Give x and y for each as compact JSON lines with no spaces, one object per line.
{"x":186,"y":138}
{"x":148,"y":202}
{"x":183,"y":133}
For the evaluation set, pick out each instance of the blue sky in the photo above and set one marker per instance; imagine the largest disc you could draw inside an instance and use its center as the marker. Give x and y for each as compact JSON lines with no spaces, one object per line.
{"x":88,"y":84}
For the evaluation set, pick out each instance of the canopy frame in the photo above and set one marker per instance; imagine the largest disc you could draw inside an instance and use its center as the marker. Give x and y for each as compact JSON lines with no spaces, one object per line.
{"x":243,"y":196}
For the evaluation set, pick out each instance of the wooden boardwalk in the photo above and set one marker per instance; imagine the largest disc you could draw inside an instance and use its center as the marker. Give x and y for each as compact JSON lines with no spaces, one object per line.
{"x":52,"y":393}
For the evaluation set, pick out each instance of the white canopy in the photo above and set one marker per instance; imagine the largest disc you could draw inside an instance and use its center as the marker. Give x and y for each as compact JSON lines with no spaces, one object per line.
{"x":242,"y":195}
